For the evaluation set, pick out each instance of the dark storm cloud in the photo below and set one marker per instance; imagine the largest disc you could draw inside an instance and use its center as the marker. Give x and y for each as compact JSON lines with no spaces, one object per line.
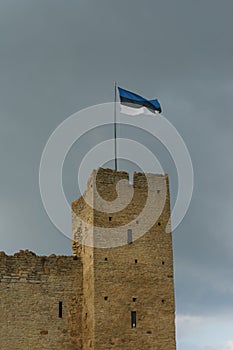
{"x":57,"y":57}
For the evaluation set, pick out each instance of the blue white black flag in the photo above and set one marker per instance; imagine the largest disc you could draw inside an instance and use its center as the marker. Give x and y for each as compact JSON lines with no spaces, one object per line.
{"x":134,"y":104}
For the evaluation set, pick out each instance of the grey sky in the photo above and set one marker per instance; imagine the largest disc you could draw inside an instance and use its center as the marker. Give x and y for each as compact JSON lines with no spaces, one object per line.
{"x":57,"y":57}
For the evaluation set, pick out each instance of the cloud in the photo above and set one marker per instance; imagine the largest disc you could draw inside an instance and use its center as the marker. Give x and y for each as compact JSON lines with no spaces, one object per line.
{"x":229,"y":345}
{"x":203,"y":332}
{"x":187,"y":324}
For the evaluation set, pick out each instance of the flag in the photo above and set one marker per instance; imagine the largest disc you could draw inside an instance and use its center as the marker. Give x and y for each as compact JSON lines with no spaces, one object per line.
{"x":133,"y":104}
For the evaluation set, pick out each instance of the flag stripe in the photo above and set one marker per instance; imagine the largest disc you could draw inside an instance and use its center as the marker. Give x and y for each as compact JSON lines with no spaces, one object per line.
{"x":135,"y":111}
{"x":130,"y":95}
{"x":138,"y":104}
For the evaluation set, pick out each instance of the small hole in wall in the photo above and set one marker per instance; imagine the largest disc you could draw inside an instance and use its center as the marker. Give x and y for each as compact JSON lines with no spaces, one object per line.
{"x":106,"y":259}
{"x":163,"y":262}
{"x":134,"y":300}
{"x":110,"y":218}
{"x":136,"y":261}
{"x":159,"y":223}
{"x":163,"y":301}
{"x":137,"y":222}
{"x":158,"y":191}
{"x":105,"y":298}
{"x":149,"y":332}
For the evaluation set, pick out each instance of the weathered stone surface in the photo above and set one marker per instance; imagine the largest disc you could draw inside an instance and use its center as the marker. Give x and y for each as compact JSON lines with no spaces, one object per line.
{"x":31,"y":288}
{"x":132,"y":277}
{"x":98,"y":288}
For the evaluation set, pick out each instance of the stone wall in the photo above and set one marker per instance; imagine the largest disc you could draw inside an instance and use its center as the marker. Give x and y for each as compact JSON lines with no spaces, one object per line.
{"x":131,"y":277}
{"x":82,"y":232}
{"x":85,"y":302}
{"x":31,"y":288}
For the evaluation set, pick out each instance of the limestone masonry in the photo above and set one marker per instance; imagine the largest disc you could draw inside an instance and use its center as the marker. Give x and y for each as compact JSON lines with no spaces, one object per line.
{"x":119,"y":297}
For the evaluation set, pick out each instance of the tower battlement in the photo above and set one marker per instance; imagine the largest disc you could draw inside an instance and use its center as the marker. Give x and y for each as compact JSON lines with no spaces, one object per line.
{"x":109,"y":178}
{"x":126,"y":250}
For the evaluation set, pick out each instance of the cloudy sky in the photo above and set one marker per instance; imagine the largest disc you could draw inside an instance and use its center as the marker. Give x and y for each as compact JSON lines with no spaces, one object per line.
{"x":58,"y":57}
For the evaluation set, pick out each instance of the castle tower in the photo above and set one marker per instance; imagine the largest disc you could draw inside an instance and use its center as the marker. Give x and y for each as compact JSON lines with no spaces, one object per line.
{"x":128,"y":286}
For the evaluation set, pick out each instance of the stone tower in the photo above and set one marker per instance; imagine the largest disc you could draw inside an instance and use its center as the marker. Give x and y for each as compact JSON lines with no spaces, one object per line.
{"x":128,"y":285}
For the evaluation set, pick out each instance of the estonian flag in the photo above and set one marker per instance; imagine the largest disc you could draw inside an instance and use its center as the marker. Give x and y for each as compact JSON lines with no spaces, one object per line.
{"x":133,"y":104}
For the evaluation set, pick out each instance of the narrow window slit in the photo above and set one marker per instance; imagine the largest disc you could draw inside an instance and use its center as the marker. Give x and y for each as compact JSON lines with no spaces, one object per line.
{"x":129,"y":236}
{"x":60,"y":309}
{"x":133,"y":319}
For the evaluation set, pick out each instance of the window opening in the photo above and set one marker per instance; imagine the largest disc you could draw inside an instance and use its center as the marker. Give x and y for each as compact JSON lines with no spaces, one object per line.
{"x":133,"y":319}
{"x":60,"y":309}
{"x":129,"y":236}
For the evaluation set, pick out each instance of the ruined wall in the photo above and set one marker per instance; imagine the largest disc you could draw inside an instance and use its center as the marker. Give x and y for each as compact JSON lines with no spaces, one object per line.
{"x":131,"y":277}
{"x":82,"y":233}
{"x":31,"y":288}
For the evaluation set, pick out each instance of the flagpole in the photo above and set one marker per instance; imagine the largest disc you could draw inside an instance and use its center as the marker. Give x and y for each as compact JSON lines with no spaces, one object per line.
{"x":115,"y":130}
